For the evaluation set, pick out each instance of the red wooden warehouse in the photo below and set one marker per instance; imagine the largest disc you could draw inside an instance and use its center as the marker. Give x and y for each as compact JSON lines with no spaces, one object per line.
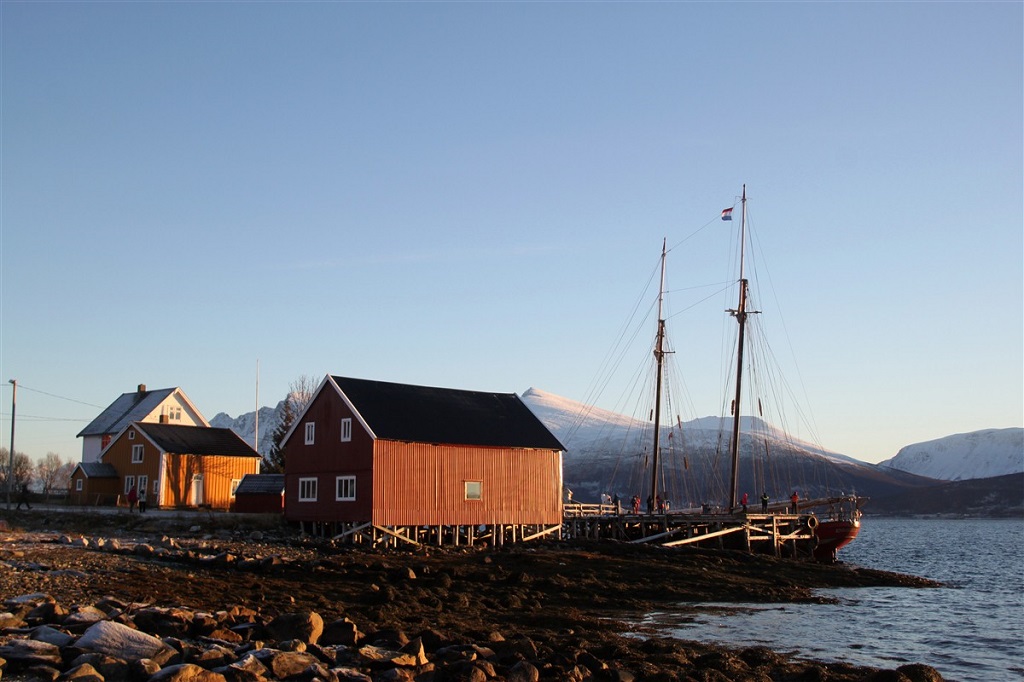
{"x":380,"y":462}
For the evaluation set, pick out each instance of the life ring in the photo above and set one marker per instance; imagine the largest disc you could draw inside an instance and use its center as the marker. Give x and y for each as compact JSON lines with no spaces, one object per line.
{"x":812,"y":522}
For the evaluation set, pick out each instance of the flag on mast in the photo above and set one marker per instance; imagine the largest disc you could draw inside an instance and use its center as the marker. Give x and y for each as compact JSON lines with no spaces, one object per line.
{"x":726,"y":214}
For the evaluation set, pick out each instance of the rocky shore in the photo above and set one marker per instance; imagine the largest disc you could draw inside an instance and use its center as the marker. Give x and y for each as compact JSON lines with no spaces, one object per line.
{"x":140,"y":603}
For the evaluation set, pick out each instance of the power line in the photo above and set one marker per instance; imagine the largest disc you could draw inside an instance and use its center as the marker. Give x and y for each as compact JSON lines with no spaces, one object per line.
{"x":60,"y":397}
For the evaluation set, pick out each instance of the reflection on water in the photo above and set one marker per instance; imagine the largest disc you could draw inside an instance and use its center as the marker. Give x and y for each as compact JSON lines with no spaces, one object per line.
{"x":971,"y":630}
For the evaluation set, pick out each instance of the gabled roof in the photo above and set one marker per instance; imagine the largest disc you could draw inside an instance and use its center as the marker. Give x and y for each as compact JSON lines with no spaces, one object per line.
{"x":261,"y":484}
{"x":196,"y":440}
{"x":97,"y":469}
{"x":131,"y":407}
{"x":423,"y":414}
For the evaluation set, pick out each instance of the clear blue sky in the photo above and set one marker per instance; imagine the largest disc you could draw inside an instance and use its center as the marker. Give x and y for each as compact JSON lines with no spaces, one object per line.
{"x":471,"y":195}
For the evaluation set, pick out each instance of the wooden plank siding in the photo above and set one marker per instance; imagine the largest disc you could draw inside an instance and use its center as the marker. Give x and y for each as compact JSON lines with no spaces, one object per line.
{"x":119,"y":454}
{"x":411,"y":452}
{"x":421,"y":484}
{"x":218,"y":473}
{"x":326,"y":459}
{"x":95,"y":491}
{"x":169,"y":476}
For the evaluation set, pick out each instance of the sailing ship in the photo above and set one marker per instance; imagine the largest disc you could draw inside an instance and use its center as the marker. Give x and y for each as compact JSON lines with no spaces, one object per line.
{"x":843,"y":518}
{"x":835,"y":519}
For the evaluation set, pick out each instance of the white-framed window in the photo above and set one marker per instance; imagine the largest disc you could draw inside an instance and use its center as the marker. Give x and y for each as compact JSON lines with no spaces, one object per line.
{"x":234,"y":485}
{"x":174,"y":413}
{"x":137,"y":451}
{"x":143,"y":482}
{"x":156,"y":487}
{"x":78,"y":485}
{"x":345,"y":488}
{"x":310,"y":432}
{"x":131,"y":435}
{"x":129,"y":483}
{"x":474,"y":490}
{"x":307,"y":489}
{"x":346,"y":429}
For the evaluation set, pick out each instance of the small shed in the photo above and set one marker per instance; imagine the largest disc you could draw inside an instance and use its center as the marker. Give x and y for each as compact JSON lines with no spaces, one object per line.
{"x":260,"y":494}
{"x":94,"y":484}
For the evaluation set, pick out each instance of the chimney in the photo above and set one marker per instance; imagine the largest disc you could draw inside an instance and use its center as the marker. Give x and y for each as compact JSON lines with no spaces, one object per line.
{"x":163,"y":419}
{"x":142,"y":388}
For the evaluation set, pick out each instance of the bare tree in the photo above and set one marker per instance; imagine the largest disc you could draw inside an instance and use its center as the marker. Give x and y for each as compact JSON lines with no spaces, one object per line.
{"x":53,"y":473}
{"x":22,"y":469}
{"x":300,"y":392}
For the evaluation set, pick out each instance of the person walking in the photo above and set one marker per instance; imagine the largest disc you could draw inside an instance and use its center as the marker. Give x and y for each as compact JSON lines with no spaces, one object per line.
{"x":743,"y":502}
{"x":764,"y":503}
{"x":794,"y":500}
{"x":23,"y":497}
{"x":142,"y":501}
{"x":133,"y":497}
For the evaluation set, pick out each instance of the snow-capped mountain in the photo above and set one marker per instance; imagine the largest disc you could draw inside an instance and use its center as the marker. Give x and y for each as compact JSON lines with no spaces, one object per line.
{"x":979,"y":454}
{"x":585,"y":428}
{"x":609,"y":453}
{"x":245,"y":425}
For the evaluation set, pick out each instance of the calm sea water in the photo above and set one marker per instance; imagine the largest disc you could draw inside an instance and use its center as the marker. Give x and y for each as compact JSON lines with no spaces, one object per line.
{"x":971,"y":630}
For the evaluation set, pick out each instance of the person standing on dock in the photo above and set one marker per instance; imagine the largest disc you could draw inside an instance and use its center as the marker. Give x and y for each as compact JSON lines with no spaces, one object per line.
{"x":764,"y":503}
{"x":795,"y":500}
{"x":743,"y":502}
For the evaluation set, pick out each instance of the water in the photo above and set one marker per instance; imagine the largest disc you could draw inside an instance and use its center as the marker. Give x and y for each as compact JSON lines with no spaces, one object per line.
{"x":971,"y":630}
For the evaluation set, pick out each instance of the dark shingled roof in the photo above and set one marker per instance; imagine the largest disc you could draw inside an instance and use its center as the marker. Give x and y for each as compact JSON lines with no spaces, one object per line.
{"x":197,"y":440}
{"x":127,"y":408}
{"x":261,"y":484}
{"x":422,"y":414}
{"x":98,"y":469}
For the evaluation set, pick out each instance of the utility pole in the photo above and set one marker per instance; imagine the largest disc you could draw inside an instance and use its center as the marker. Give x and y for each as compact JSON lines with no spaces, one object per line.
{"x":10,"y":462}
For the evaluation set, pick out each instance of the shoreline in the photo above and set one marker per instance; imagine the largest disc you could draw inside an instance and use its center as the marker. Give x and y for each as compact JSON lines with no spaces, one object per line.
{"x":571,"y":601}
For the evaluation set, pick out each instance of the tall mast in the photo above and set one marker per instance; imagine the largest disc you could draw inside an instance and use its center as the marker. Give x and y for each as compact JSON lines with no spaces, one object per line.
{"x":741,"y":317}
{"x":659,"y":355}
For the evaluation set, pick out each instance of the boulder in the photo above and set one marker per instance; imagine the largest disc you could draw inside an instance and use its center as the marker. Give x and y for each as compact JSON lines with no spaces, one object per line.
{"x":115,"y":639}
{"x":342,"y":631}
{"x":45,"y":633}
{"x":290,"y":663}
{"x":82,"y":673}
{"x":186,"y":672}
{"x":164,"y":622}
{"x":307,"y":626}
{"x":22,"y":653}
{"x":523,"y":672}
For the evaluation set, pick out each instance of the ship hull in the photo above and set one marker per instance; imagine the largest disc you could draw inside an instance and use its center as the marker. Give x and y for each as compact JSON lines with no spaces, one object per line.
{"x":833,"y":535}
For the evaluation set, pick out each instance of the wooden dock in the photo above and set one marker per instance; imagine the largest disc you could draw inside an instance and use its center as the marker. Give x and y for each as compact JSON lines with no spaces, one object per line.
{"x":779,"y":534}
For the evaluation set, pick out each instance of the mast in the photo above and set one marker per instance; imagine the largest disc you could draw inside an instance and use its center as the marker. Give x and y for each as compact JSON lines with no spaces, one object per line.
{"x":659,"y":355}
{"x":741,"y":318}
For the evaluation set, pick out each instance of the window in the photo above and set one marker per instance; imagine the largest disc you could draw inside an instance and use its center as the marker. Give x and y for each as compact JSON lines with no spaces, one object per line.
{"x":78,"y":485}
{"x":345,"y":488}
{"x":474,"y":490}
{"x":174,"y":413}
{"x":129,"y":483}
{"x":307,"y":490}
{"x":131,"y":436}
{"x":346,"y":430}
{"x":310,"y":432}
{"x":143,"y":482}
{"x":156,"y":487}
{"x":137,"y":454}
{"x":234,"y":485}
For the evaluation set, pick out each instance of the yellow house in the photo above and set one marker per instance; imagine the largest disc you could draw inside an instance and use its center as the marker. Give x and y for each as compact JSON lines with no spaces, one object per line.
{"x":171,"y":465}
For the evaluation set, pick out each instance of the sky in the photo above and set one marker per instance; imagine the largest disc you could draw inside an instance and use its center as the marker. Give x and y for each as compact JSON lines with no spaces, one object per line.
{"x":471,"y":195}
